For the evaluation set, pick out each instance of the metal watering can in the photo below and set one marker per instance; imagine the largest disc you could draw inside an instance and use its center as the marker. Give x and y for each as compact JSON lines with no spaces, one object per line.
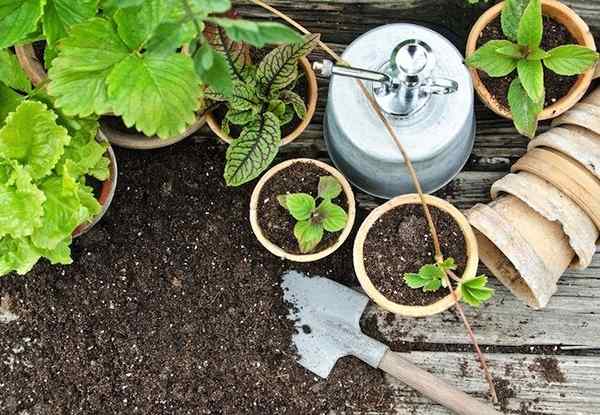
{"x":419,"y":80}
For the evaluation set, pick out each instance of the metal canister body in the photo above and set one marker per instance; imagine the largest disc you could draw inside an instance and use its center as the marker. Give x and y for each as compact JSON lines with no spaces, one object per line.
{"x":438,"y":137}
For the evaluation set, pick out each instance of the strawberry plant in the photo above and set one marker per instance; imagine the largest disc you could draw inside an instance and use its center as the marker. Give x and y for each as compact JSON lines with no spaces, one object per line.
{"x":312,"y":220}
{"x":522,"y":25}
{"x":262,"y":102}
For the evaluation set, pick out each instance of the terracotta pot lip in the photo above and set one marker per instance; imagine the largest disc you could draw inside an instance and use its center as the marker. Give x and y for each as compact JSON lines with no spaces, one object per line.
{"x":276,"y":250}
{"x":313,"y":91}
{"x":576,"y":92}
{"x":107,"y":191}
{"x":368,"y":286}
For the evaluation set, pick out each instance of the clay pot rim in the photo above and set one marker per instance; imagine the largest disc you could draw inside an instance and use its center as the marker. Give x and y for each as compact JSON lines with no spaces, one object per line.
{"x":276,"y":250}
{"x":584,"y":37}
{"x":107,"y":191}
{"x":312,"y":93}
{"x":366,"y":283}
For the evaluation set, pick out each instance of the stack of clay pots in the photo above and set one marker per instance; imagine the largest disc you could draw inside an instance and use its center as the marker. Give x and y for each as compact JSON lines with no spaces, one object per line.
{"x":545,"y":215}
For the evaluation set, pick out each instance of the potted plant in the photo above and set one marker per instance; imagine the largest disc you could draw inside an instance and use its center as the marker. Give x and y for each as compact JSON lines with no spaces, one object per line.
{"x":394,"y":257}
{"x":272,"y":103}
{"x":302,"y":210}
{"x":531,"y":60}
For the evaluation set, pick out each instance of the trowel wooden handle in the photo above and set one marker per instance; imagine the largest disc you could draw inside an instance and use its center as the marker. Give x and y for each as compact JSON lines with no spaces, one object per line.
{"x":433,"y":387}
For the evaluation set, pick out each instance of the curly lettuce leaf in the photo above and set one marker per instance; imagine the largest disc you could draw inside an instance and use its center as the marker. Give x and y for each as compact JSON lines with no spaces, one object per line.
{"x":18,"y":19}
{"x":85,"y":155}
{"x":17,"y":255}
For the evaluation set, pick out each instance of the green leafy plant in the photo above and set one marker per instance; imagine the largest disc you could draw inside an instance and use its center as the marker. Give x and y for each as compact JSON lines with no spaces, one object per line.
{"x":45,"y":159}
{"x":522,"y":24}
{"x":432,"y":277}
{"x":312,"y":220}
{"x":262,"y":102}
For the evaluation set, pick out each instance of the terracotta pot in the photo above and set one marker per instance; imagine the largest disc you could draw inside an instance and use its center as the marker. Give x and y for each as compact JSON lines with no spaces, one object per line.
{"x":524,"y":250}
{"x":586,"y":114}
{"x":578,"y":29}
{"x":312,"y":95}
{"x":107,"y":191}
{"x":276,"y":250}
{"x":567,"y":175}
{"x":366,"y":283}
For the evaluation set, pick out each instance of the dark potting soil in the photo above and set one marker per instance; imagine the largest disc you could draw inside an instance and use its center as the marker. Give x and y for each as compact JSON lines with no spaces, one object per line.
{"x":276,"y":222}
{"x":400,"y":242}
{"x":171,"y":306}
{"x":117,"y":123}
{"x":557,"y":86}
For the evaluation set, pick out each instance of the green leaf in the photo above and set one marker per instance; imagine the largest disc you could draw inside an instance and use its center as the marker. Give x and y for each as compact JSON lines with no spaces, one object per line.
{"x":257,"y":34}
{"x":475,"y":291}
{"x":60,"y":15}
{"x":537,"y":54}
{"x":287,"y":116}
{"x":282,"y":200}
{"x":511,"y":16}
{"x":121,"y":4}
{"x":570,"y":60}
{"x":241,"y":117}
{"x":11,"y":73}
{"x":61,"y":254}
{"x":169,"y":37}
{"x":17,"y":255}
{"x":414,"y":280}
{"x":158,"y":94}
{"x":511,"y":50}
{"x":279,"y":68}
{"x":448,"y":265}
{"x":490,"y":61}
{"x":84,"y":156}
{"x":333,"y":217}
{"x":329,"y":188}
{"x":18,"y":19}
{"x":213,"y":70}
{"x":290,"y":97}
{"x":524,"y":110}
{"x":32,"y":137}
{"x":300,"y":205}
{"x":531,"y":75}
{"x":429,"y":278}
{"x":277,"y":107}
{"x":79,"y":74}
{"x":236,"y":54}
{"x":531,"y":26}
{"x":243,"y":97}
{"x":9,"y":101}
{"x":249,"y":155}
{"x":213,"y":6}
{"x":308,"y":235}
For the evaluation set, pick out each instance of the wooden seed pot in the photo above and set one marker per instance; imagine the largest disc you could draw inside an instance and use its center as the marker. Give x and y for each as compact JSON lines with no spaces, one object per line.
{"x":578,"y":29}
{"x":278,"y":251}
{"x":366,"y":283}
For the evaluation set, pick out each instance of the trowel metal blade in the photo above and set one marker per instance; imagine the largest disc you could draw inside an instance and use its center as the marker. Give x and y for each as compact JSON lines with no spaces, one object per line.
{"x":327,"y":319}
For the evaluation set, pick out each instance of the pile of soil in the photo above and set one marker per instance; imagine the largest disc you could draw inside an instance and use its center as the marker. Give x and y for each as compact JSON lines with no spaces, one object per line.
{"x":557,"y":86}
{"x":400,"y":242}
{"x":171,"y":306}
{"x":276,"y":222}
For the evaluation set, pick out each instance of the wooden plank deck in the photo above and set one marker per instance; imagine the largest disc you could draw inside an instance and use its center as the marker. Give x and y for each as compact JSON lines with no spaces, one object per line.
{"x":515,"y":336}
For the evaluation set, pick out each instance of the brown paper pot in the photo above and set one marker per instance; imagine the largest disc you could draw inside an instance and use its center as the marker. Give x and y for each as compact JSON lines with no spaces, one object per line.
{"x":585,"y":114}
{"x":366,"y":283}
{"x":567,"y":175}
{"x":276,"y":250}
{"x":311,"y":106}
{"x":524,"y":250}
{"x":552,"y":204}
{"x":578,"y":29}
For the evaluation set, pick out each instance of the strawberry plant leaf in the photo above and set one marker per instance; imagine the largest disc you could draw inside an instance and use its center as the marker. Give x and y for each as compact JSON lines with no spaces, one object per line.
{"x":429,"y":278}
{"x":300,"y":205}
{"x":332,"y":217}
{"x":531,"y":75}
{"x":524,"y":110}
{"x":257,"y":34}
{"x":11,"y":73}
{"x":18,"y":19}
{"x":414,"y":280}
{"x":570,"y":60}
{"x":511,"y":16}
{"x":308,"y":235}
{"x":487,"y":59}
{"x":9,"y":101}
{"x":531,"y":26}
{"x":475,"y":291}
{"x":253,"y":151}
{"x":60,"y":15}
{"x":329,"y":188}
{"x":448,"y":265}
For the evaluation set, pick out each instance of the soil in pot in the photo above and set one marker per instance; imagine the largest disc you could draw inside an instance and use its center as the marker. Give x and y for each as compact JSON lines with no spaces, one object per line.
{"x":557,"y":86}
{"x":400,"y":242}
{"x":276,"y":223}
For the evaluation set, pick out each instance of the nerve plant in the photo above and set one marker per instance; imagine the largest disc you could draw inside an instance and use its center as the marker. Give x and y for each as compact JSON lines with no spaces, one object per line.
{"x":262,"y":102}
{"x":45,"y":159}
{"x":522,"y":24}
{"x":312,"y":220}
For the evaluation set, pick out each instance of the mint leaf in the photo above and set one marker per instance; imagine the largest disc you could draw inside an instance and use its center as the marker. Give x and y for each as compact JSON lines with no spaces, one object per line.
{"x":524,"y":110}
{"x":300,"y":205}
{"x":257,"y":34}
{"x":531,"y":75}
{"x":11,"y":73}
{"x":490,"y":61}
{"x":60,"y":15}
{"x":511,"y":50}
{"x":537,"y":54}
{"x":329,"y":188}
{"x":18,"y":19}
{"x":531,"y":26}
{"x":332,"y":217}
{"x":570,"y":60}
{"x":511,"y":16}
{"x":308,"y":235}
{"x":475,"y":291}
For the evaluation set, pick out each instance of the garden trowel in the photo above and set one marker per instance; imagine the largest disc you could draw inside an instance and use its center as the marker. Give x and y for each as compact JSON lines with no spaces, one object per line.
{"x":327,"y":317}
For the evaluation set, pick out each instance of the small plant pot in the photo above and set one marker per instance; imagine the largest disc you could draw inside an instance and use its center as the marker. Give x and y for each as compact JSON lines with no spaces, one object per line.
{"x":563,"y":15}
{"x":525,"y":251}
{"x":366,"y":282}
{"x":586,"y":114}
{"x":311,"y":106}
{"x":107,"y":190}
{"x":275,"y":249}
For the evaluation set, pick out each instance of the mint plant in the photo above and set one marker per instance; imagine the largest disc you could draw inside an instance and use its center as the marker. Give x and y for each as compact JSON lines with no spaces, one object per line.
{"x":522,"y":24}
{"x":432,"y":277}
{"x":262,"y":102}
{"x":312,"y":220}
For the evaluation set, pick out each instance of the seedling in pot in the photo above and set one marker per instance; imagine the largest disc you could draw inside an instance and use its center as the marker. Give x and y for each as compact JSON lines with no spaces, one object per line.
{"x":522,"y":24}
{"x":312,"y":220}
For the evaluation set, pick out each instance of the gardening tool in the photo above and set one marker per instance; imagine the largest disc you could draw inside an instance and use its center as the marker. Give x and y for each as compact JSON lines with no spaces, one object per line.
{"x":418,"y":79}
{"x":327,"y":316}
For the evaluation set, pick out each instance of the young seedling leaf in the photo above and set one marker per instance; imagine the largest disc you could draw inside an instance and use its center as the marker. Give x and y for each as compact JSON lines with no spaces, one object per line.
{"x":282,"y":200}
{"x":332,"y":217}
{"x":11,"y":73}
{"x":429,"y":278}
{"x":511,"y":16}
{"x":329,"y":188}
{"x":61,"y":15}
{"x":300,"y":205}
{"x":570,"y":60}
{"x":511,"y":50}
{"x":524,"y":111}
{"x":531,"y":25}
{"x":537,"y":54}
{"x":257,"y":34}
{"x":487,"y":59}
{"x":448,"y":265}
{"x":18,"y":19}
{"x":308,"y":235}
{"x":475,"y":291}
{"x":531,"y":75}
